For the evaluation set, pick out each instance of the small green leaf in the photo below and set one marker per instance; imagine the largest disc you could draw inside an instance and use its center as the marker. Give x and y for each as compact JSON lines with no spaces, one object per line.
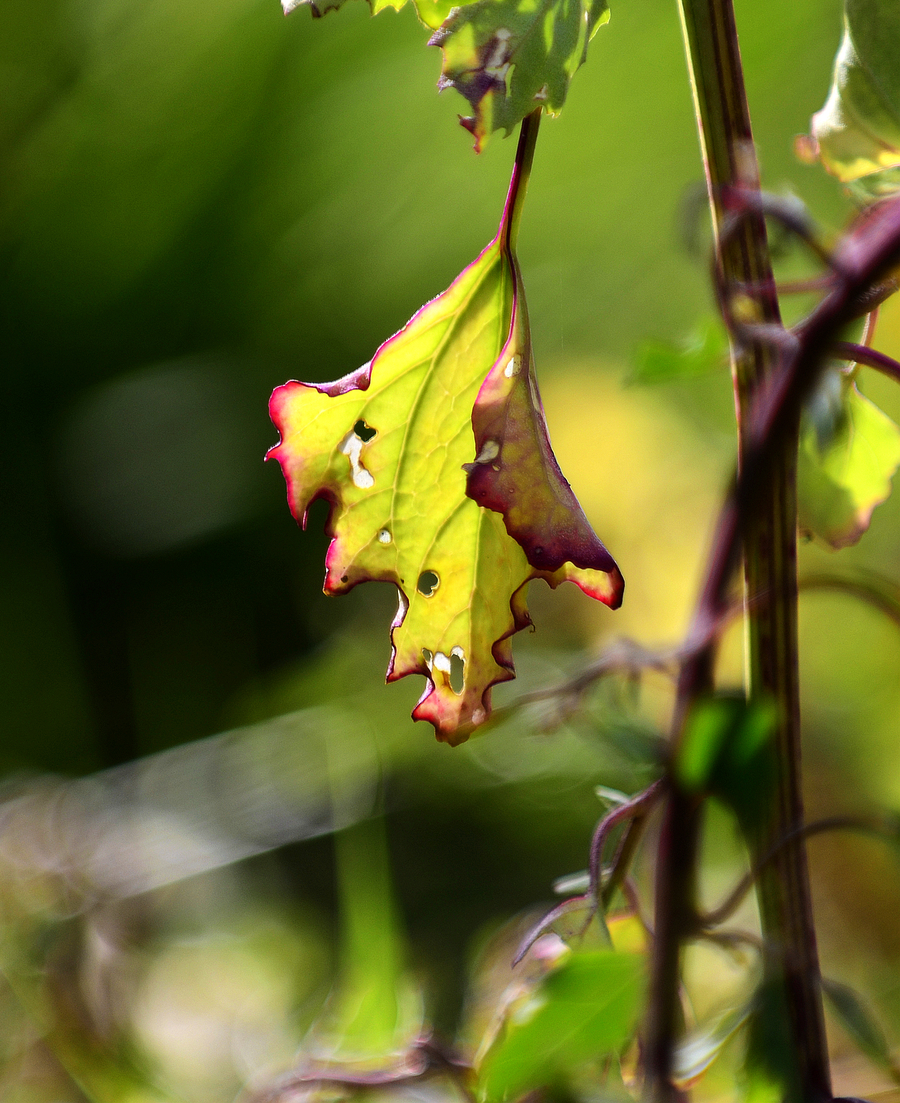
{"x":586,"y":1008}
{"x":844,"y":475}
{"x":723,"y":733}
{"x":433,"y":12}
{"x":859,"y":1022}
{"x":705,"y":734}
{"x":858,"y":129}
{"x":726,"y":751}
{"x":508,"y":57}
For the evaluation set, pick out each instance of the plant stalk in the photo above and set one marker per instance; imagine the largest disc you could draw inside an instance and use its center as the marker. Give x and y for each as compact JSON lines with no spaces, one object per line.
{"x":770,"y":571}
{"x":521,"y":174}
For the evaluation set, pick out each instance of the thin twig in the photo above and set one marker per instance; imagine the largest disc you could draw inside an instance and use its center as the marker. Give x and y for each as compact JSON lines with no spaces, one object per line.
{"x":881,"y":593}
{"x":833,"y":823}
{"x":599,"y":893}
{"x":862,"y":354}
{"x":635,"y":809}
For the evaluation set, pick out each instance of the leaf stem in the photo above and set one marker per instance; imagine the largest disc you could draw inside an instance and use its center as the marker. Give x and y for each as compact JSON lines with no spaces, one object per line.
{"x":521,"y":174}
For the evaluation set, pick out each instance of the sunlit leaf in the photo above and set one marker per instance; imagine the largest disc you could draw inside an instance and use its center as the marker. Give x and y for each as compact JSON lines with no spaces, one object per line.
{"x":387,"y":446}
{"x":726,"y":752}
{"x":585,"y":1008}
{"x":843,"y":475}
{"x":508,"y":57}
{"x":318,"y":8}
{"x":722,"y":737}
{"x":858,"y":129}
{"x":516,"y":473}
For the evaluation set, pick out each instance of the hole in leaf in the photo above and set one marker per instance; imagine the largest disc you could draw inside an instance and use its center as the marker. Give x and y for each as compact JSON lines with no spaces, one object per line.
{"x":490,"y":450}
{"x":428,"y":583}
{"x":384,"y":537}
{"x":363,"y":431}
{"x":427,"y":656}
{"x":457,"y":669}
{"x":352,"y":446}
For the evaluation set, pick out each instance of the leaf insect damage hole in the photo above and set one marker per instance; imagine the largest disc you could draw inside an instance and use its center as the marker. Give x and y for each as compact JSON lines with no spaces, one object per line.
{"x":352,"y":446}
{"x":457,"y":670}
{"x":452,"y":666}
{"x":428,"y":583}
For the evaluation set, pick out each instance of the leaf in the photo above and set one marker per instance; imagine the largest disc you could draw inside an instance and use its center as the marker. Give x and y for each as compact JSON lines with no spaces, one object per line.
{"x":857,"y":1019}
{"x":843,"y":475}
{"x":722,"y":737}
{"x":318,"y":8}
{"x":387,"y":445}
{"x":516,"y":473}
{"x":858,"y":129}
{"x":509,"y":56}
{"x":726,"y":751}
{"x":430,"y":12}
{"x":586,"y":1008}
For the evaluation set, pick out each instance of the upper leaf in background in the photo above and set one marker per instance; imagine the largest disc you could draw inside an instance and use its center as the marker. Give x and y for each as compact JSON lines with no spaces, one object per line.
{"x":847,"y":459}
{"x":389,"y":446}
{"x":509,"y":56}
{"x":858,"y":129}
{"x":323,"y":7}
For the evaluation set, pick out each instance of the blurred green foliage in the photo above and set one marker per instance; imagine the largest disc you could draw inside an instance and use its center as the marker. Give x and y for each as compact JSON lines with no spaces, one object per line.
{"x":200,"y":201}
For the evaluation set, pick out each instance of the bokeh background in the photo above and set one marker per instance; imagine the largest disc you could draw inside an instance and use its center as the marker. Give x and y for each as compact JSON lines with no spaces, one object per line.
{"x":201,"y":200}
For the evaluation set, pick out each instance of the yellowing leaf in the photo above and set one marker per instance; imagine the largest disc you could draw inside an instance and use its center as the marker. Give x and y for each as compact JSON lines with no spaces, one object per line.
{"x":508,"y":57}
{"x":841,"y":480}
{"x":387,"y":446}
{"x":858,"y":129}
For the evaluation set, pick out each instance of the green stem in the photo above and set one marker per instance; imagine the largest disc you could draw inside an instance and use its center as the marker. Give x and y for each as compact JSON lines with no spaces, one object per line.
{"x":521,"y":174}
{"x":769,"y":535}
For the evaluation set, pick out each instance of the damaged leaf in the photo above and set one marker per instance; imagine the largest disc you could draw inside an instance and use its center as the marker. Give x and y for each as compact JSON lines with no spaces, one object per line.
{"x":857,"y":132}
{"x":516,"y":473}
{"x":845,"y":468}
{"x":318,"y":8}
{"x":389,"y":446}
{"x":430,"y":12}
{"x":508,"y":57}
